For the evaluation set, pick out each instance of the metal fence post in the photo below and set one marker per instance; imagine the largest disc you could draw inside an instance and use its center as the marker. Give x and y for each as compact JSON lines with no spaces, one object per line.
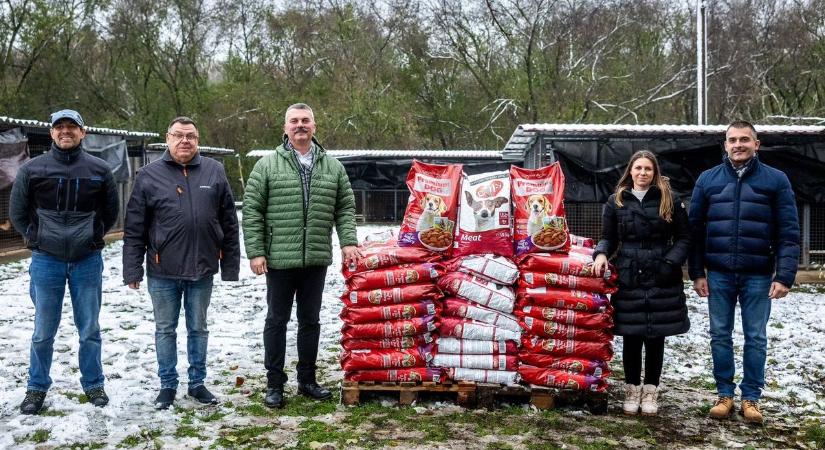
{"x":806,"y":235}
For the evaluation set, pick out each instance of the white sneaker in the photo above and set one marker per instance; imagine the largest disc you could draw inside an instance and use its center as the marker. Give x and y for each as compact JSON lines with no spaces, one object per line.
{"x":650,"y":395}
{"x":632,"y":398}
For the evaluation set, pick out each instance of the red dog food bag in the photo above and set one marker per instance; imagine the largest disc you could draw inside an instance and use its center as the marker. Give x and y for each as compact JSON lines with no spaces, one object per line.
{"x":410,"y":293}
{"x":484,"y":217}
{"x":385,"y":359}
{"x":488,"y":362}
{"x":467,"y":287}
{"x":562,"y":298}
{"x":582,"y":241}
{"x":395,"y":276}
{"x":469,"y":310}
{"x":390,"y":312}
{"x":548,"y":329}
{"x":580,"y":366}
{"x":432,"y":210}
{"x":475,"y":347}
{"x":575,"y":264}
{"x":483,"y":376}
{"x":498,"y":269}
{"x":583,"y":319}
{"x":562,"y":380}
{"x":567,"y":347}
{"x":542,"y":279}
{"x":397,"y":375}
{"x":538,"y":199}
{"x":389,"y":329}
{"x":373,"y":258}
{"x":398,"y":342}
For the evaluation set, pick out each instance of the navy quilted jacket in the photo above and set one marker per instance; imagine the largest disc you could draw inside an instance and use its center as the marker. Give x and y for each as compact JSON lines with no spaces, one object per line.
{"x":747,"y":224}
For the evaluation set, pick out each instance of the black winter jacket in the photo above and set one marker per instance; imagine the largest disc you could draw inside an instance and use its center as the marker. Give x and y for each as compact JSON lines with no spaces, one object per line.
{"x":183,"y":219}
{"x":651,"y":299}
{"x":64,"y":202}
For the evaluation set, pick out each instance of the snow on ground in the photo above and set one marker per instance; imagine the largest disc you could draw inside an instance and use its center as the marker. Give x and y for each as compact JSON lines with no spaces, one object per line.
{"x":795,"y":375}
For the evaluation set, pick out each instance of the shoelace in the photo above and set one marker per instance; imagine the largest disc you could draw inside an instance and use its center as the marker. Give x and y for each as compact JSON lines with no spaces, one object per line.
{"x":35,"y":396}
{"x":722,"y":400}
{"x":751,"y":404}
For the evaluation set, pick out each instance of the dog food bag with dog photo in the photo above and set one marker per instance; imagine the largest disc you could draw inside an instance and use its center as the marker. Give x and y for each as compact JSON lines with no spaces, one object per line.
{"x":432,"y":210}
{"x":484,"y":216}
{"x":397,"y":375}
{"x":538,"y":201}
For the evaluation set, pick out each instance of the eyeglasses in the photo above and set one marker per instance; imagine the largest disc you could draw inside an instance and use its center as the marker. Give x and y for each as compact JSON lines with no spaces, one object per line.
{"x":188,"y":136}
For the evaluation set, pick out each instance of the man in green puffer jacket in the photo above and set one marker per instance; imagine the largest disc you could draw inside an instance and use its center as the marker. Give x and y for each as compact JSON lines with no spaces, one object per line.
{"x":293,"y":198}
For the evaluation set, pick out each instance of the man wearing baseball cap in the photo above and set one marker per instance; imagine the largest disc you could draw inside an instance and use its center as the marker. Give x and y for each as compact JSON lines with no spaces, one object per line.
{"x":63,"y":202}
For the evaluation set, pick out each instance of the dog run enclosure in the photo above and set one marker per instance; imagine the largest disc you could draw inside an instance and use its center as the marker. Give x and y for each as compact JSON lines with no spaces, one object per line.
{"x":593,"y":158}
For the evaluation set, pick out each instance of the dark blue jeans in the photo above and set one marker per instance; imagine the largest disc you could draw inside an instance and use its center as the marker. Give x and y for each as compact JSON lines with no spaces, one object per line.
{"x":166,"y":301}
{"x":47,"y":288}
{"x":751,"y":292}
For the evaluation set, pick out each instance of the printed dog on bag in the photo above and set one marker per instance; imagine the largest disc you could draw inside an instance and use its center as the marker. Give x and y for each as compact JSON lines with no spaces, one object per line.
{"x":538,"y":200}
{"x":432,"y":210}
{"x":484,"y":218}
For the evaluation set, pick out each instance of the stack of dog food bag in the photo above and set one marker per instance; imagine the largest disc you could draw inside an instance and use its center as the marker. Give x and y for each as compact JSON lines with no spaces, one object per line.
{"x":561,"y":305}
{"x":392,"y":306}
{"x":478,"y":333}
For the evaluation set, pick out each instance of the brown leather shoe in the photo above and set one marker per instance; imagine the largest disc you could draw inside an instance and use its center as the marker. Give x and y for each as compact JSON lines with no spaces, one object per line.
{"x":722,"y":409}
{"x":750,"y":412}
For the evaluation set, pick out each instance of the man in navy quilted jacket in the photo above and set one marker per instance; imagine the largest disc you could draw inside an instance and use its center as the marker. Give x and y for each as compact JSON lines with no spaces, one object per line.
{"x":746,"y":234}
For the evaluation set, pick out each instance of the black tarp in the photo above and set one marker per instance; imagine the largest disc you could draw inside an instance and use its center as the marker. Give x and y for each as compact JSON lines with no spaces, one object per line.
{"x":13,"y":153}
{"x":593,"y":167}
{"x":111,"y":149}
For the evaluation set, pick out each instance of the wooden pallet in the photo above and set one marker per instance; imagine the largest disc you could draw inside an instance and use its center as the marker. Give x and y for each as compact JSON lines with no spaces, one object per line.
{"x":471,"y":394}
{"x":408,"y":391}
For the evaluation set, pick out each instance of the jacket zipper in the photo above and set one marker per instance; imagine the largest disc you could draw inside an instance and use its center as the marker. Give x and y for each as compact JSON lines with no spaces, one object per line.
{"x":193,"y":219}
{"x":736,"y":214}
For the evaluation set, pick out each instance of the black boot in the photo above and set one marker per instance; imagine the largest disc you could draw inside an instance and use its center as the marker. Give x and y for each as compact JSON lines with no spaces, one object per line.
{"x":97,"y":397}
{"x":314,"y":390}
{"x":33,"y":402}
{"x":165,"y":398}
{"x":275,"y":397}
{"x":201,"y":394}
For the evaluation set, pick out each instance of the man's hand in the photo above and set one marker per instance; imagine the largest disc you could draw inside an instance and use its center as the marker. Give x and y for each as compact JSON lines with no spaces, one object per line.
{"x":350,"y":255}
{"x":134,"y":285}
{"x":700,"y":285}
{"x":778,"y":290}
{"x":258,"y":265}
{"x":599,"y":264}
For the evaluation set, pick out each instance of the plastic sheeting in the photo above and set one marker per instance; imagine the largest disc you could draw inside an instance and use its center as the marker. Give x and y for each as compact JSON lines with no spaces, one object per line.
{"x":13,"y":153}
{"x":111,"y":149}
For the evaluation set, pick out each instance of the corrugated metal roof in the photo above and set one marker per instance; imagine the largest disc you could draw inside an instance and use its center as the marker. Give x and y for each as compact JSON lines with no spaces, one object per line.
{"x":95,"y":130}
{"x":525,"y":135}
{"x":160,"y":147}
{"x":659,"y":129}
{"x":401,"y":154}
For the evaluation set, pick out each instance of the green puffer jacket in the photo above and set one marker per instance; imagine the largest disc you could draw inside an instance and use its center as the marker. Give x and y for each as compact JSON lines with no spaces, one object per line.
{"x":275,"y":224}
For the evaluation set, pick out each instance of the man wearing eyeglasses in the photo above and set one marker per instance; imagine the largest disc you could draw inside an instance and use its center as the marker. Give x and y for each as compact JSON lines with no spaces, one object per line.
{"x":292,"y":200}
{"x":181,"y":216}
{"x":63,"y":202}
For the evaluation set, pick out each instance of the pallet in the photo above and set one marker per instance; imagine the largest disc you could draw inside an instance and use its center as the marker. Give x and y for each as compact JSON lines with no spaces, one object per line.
{"x":471,"y":394}
{"x":408,"y":391}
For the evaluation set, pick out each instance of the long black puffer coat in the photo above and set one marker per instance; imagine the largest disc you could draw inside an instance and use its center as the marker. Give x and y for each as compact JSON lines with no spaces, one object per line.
{"x":651,"y":299}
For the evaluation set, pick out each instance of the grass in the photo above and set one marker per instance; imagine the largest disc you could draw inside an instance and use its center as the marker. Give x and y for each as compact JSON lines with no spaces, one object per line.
{"x":82,"y":446}
{"x":814,"y":432}
{"x":315,"y":431}
{"x":40,"y":436}
{"x":248,"y":437}
{"x":187,"y":431}
{"x":134,"y":440}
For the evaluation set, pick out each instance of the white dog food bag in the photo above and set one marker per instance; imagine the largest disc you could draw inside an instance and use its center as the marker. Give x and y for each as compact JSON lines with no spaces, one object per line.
{"x":485,"y":219}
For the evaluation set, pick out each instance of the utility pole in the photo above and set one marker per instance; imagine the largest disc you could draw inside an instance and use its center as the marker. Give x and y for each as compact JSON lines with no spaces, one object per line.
{"x":701,"y":63}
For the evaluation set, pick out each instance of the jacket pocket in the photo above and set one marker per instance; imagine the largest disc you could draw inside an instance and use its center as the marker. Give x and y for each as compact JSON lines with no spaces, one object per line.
{"x":68,"y":235}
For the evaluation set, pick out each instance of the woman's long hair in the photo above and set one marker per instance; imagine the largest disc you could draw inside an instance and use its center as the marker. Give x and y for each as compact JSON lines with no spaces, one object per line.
{"x":661,"y":182}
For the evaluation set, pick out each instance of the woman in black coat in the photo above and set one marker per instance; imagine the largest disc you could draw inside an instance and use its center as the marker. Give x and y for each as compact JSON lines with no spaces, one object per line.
{"x":648,"y":225}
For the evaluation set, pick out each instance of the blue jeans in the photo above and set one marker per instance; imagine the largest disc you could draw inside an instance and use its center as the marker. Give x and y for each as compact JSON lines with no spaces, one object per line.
{"x":166,"y":296}
{"x":751,"y":291}
{"x":49,"y":276}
